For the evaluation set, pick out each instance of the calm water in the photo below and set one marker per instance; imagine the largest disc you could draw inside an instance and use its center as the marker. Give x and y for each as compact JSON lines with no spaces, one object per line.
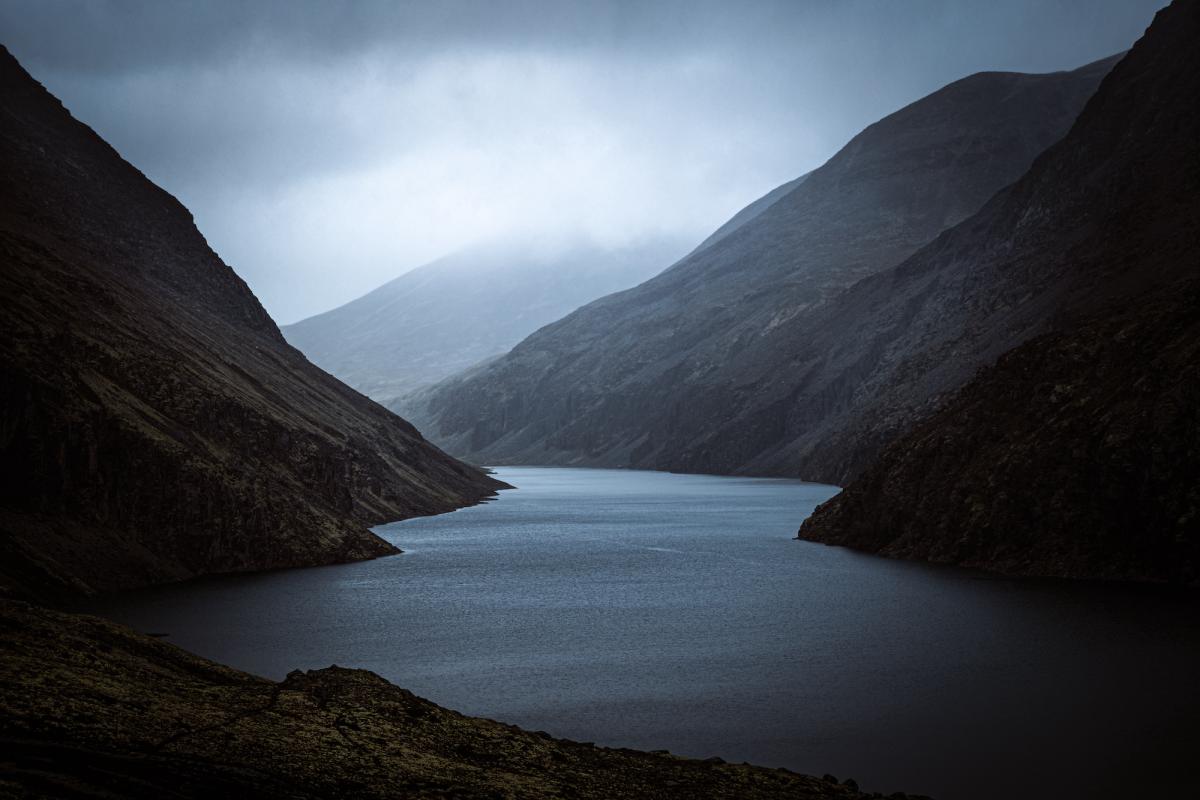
{"x":655,"y":611}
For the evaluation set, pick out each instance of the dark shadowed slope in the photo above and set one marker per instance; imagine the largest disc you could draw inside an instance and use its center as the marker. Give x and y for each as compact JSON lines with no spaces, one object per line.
{"x":90,"y":709}
{"x":449,"y":315}
{"x":1077,"y":453}
{"x":154,"y":425}
{"x":640,"y":378}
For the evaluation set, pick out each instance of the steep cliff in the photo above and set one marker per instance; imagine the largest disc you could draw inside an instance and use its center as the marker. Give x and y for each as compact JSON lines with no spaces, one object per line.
{"x":154,"y":425}
{"x":693,"y":369}
{"x":1076,"y":453}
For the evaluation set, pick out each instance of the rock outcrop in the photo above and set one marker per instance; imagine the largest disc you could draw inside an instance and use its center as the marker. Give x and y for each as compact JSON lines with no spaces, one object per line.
{"x":1076,"y":453}
{"x":709,"y":366}
{"x":90,"y":709}
{"x":154,"y":425}
{"x":449,"y":315}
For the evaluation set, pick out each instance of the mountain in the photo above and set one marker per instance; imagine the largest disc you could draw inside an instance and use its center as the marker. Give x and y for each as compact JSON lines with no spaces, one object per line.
{"x":449,"y":315}
{"x":696,"y":369}
{"x":1077,"y":452}
{"x":91,"y":709}
{"x":154,"y":424}
{"x":751,"y":211}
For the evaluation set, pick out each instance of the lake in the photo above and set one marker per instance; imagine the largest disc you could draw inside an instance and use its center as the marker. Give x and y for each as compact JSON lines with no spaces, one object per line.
{"x":662,"y":611}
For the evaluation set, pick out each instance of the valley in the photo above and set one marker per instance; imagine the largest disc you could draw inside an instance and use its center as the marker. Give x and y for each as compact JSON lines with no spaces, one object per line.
{"x":889,"y":475}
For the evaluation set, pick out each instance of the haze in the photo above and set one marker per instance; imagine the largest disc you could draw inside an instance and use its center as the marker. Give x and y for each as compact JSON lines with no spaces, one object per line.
{"x":325,"y":148}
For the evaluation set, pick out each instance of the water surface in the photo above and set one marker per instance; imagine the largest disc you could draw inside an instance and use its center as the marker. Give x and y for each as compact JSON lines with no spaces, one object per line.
{"x":651,"y":610}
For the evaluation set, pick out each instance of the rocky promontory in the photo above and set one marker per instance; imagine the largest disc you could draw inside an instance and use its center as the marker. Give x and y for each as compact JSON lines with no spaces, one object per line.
{"x":1076,"y":453}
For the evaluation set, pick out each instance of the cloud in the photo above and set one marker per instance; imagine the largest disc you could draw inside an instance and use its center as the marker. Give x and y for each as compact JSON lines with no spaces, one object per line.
{"x":325,"y":148}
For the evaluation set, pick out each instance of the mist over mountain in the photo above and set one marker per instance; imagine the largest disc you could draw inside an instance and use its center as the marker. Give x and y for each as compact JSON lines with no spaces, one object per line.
{"x":473,"y":305}
{"x":712,"y":366}
{"x":156,"y":424}
{"x":324,"y":147}
{"x":1077,"y":452}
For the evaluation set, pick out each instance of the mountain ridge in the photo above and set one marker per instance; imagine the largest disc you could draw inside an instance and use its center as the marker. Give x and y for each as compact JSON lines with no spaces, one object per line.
{"x":645,"y":378}
{"x":154,"y":424}
{"x":1073,"y":454}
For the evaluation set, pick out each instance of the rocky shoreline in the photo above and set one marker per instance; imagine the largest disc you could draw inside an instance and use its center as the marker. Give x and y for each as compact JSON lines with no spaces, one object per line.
{"x":89,"y":708}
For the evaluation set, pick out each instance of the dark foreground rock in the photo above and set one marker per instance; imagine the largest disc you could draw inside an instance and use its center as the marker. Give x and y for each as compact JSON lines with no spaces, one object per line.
{"x":1076,"y":454}
{"x":91,"y":709}
{"x":154,"y":425}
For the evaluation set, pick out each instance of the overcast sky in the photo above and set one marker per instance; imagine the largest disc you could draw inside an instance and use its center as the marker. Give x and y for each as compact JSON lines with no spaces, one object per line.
{"x":325,"y":148}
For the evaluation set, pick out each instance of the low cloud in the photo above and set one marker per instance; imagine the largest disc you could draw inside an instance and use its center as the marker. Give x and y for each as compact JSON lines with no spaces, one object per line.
{"x":325,"y":148}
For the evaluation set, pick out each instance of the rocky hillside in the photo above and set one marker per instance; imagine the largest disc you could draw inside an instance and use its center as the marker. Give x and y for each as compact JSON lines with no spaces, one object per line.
{"x":1077,"y":453}
{"x":90,"y":709}
{"x":697,"y":368}
{"x":751,"y":211}
{"x":449,"y":315}
{"x":154,"y":425}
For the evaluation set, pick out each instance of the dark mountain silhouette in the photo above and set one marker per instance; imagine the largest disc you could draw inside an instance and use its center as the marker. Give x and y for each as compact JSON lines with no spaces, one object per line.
{"x":462,"y":309}
{"x":1077,"y":453}
{"x":154,"y":425}
{"x":710,"y":366}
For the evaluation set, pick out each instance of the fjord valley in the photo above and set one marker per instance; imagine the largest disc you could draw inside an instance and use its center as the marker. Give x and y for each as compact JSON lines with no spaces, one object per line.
{"x":157,"y":427}
{"x":1091,"y":253}
{"x":549,"y":472}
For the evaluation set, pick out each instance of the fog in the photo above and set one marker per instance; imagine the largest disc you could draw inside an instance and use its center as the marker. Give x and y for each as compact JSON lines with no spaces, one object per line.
{"x":325,"y":148}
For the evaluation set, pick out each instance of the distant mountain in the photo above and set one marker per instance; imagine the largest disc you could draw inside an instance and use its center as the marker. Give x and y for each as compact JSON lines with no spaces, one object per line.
{"x":1077,"y":453}
{"x":455,"y":312}
{"x":154,"y":425}
{"x":709,"y":366}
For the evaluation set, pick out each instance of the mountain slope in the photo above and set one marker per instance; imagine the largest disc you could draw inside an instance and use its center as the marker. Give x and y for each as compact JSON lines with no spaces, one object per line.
{"x":751,"y":211}
{"x":640,"y":378}
{"x":1077,"y":453}
{"x":154,"y":425}
{"x":449,"y":315}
